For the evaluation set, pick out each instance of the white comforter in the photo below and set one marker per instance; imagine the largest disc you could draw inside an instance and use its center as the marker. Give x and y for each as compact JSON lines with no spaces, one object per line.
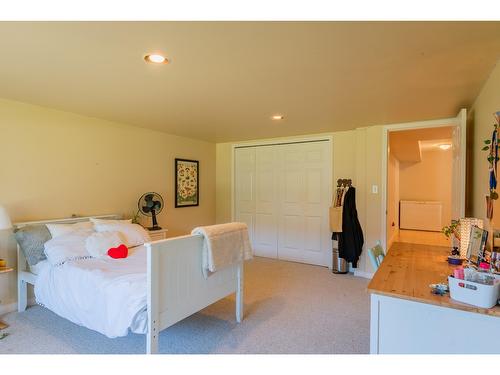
{"x":106,"y":295}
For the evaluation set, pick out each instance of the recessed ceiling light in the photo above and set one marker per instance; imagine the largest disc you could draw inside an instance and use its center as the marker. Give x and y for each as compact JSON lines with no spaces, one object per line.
{"x":156,"y":59}
{"x":445,"y":146}
{"x":278,"y":117}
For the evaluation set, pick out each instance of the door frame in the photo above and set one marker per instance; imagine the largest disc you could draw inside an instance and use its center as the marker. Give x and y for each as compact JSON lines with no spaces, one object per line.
{"x":386,"y":129}
{"x":280,"y":141}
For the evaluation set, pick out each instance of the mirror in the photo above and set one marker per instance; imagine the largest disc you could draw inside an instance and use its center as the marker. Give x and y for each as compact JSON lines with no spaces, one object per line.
{"x":477,"y":242}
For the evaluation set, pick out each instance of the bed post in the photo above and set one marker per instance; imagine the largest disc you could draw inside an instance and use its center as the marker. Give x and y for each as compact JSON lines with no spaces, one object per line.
{"x":22,"y":295}
{"x":239,"y":293}
{"x":22,"y":286}
{"x":153,"y":316}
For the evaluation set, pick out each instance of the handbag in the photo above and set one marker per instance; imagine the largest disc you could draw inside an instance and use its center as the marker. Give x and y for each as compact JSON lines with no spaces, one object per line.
{"x":335,"y":214}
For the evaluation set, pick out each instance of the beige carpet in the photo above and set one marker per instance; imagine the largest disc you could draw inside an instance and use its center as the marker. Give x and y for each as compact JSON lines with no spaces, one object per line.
{"x":289,"y":308}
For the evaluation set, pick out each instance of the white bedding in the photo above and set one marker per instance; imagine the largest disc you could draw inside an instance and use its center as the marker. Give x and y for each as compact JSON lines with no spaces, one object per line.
{"x":106,"y":295}
{"x":37,"y":268}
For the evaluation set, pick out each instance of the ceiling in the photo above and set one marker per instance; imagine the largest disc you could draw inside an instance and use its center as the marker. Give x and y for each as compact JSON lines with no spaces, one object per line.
{"x":407,"y":145}
{"x":226,"y":79}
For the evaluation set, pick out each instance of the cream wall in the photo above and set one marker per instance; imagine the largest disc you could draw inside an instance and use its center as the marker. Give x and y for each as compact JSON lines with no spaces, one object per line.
{"x":55,"y":164}
{"x":357,"y":155}
{"x":368,"y":171}
{"x":428,"y":180}
{"x":223,"y":187}
{"x":481,"y":123}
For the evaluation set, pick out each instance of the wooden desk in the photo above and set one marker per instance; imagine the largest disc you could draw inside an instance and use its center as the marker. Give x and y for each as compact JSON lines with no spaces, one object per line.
{"x":407,"y":318}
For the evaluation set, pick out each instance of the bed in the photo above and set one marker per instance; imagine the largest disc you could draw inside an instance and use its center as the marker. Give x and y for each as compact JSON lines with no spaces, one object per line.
{"x":160,"y":284}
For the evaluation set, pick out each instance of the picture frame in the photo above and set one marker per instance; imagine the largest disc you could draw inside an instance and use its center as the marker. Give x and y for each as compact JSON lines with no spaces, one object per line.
{"x":187,"y":183}
{"x":477,"y":243}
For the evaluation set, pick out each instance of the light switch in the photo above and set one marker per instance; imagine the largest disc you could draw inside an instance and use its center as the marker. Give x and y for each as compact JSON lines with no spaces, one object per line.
{"x":374,"y":189}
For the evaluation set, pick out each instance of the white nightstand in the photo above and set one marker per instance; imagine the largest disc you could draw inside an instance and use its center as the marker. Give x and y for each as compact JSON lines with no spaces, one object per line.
{"x":159,"y":234}
{"x":4,"y":270}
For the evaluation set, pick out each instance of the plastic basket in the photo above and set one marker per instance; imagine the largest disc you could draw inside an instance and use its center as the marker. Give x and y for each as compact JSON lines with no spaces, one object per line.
{"x":473,"y":293}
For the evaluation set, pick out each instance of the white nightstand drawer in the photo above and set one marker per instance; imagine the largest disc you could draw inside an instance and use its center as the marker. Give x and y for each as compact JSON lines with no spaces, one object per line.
{"x":156,"y":235}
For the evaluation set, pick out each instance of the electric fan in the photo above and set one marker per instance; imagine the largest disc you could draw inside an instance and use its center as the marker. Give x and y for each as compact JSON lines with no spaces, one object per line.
{"x":151,"y":204}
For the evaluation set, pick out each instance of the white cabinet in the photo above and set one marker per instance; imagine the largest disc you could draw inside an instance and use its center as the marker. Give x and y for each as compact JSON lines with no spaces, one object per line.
{"x":282,"y":192}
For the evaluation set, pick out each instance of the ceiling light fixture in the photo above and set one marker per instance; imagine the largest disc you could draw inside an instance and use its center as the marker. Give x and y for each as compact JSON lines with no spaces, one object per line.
{"x":445,"y":146}
{"x":278,"y":117}
{"x":155,"y":59}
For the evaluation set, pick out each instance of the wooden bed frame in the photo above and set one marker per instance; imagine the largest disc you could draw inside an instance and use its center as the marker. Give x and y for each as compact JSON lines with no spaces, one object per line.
{"x":176,"y":287}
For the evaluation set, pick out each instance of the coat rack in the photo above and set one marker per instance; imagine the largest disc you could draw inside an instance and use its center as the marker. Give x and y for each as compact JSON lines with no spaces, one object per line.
{"x":343,"y":182}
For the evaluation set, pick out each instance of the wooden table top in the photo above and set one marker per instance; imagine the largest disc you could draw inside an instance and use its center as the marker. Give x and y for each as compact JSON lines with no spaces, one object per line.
{"x":407,"y":271}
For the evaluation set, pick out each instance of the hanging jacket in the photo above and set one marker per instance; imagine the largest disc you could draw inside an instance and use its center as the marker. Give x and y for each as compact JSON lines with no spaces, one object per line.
{"x":351,"y":238}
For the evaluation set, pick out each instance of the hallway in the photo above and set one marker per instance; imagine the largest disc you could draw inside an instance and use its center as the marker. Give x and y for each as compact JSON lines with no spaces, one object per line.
{"x":422,"y":237}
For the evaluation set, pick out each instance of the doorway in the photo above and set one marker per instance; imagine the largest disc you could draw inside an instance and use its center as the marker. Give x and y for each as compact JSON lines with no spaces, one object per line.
{"x":424,"y":180}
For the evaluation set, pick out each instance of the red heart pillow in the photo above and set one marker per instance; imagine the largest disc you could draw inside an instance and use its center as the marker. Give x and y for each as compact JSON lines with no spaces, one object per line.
{"x":118,"y":252}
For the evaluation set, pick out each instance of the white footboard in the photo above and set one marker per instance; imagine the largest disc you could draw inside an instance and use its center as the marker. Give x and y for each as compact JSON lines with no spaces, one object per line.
{"x":177,"y":287}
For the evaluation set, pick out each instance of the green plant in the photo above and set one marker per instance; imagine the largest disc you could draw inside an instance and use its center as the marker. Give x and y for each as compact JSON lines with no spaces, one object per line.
{"x":452,"y":229}
{"x":135,"y":217}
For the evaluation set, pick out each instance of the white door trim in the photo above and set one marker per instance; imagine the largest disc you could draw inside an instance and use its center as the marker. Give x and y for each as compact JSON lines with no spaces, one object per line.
{"x":279,"y":141}
{"x":453,"y":121}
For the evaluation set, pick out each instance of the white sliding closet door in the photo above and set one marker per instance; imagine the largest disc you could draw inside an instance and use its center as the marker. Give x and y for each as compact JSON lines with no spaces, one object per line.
{"x":266,"y":206}
{"x":304,"y":189}
{"x":244,"y":188}
{"x":282,"y":192}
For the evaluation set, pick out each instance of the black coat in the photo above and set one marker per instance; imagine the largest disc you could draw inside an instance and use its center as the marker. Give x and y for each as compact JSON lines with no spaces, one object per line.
{"x":351,"y":239}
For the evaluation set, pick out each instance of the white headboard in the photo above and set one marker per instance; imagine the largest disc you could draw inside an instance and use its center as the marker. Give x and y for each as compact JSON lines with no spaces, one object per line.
{"x":69,"y":220}
{"x":21,"y":260}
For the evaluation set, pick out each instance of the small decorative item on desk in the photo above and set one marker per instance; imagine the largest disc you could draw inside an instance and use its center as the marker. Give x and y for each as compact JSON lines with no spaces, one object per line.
{"x":455,"y":260}
{"x":452,"y":231}
{"x":439,"y":289}
{"x":495,"y":262}
{"x":458,"y":232}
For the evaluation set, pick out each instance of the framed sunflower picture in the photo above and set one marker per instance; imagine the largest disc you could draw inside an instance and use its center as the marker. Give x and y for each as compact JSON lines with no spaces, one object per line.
{"x":187,"y":179}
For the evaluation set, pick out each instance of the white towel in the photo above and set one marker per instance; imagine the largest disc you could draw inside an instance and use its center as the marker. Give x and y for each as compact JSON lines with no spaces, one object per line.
{"x":224,"y":245}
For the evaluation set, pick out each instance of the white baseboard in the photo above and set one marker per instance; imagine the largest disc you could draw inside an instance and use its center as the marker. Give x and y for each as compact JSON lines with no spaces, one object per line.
{"x":366,"y":275}
{"x":11,"y":307}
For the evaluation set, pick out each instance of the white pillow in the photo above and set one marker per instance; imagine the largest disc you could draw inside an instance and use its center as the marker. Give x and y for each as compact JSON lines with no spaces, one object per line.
{"x":105,"y":221}
{"x":66,"y":247}
{"x":57,"y":230}
{"x":133,"y":234}
{"x":99,"y":243}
